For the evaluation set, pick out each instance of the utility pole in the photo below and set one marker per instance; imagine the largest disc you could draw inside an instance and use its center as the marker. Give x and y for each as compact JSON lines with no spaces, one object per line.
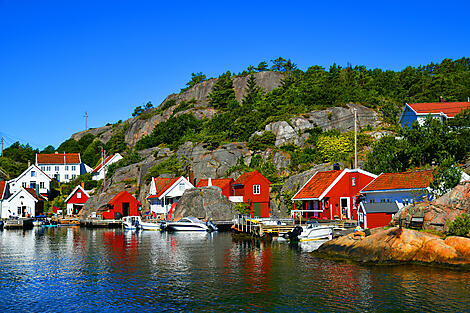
{"x":86,"y":120}
{"x":355,"y":138}
{"x":103,"y":153}
{"x":2,"y":146}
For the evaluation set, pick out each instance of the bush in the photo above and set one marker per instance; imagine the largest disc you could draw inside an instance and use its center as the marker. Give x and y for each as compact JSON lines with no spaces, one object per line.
{"x":172,"y":165}
{"x":460,"y":226}
{"x":266,"y":140}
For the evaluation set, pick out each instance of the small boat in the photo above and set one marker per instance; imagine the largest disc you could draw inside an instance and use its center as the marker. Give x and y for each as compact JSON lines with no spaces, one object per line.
{"x":149,"y":226}
{"x":190,"y":224}
{"x":131,"y":222}
{"x":311,"y":231}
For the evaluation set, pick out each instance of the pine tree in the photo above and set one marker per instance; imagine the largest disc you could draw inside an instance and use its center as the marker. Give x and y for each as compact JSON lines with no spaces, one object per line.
{"x":223,"y":94}
{"x":253,"y":92}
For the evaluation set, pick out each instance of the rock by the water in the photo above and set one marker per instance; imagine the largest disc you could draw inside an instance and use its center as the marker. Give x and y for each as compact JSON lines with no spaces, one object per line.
{"x":399,"y":245}
{"x":207,"y":203}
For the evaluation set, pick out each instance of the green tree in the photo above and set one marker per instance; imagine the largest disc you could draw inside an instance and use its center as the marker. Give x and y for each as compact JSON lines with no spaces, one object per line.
{"x":253,"y":92}
{"x":196,"y":78}
{"x":445,"y":177}
{"x":138,"y":110}
{"x":262,"y":66}
{"x":460,"y":226}
{"x":48,"y":149}
{"x":222,"y":95}
{"x":148,"y":105}
{"x":388,"y":155}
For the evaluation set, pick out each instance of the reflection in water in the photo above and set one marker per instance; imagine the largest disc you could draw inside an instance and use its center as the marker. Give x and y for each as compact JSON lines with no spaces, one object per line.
{"x":73,"y":269}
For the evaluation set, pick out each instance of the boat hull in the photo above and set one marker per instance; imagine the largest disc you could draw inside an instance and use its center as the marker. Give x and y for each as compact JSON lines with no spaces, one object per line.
{"x":186,"y":227}
{"x":316,"y":233}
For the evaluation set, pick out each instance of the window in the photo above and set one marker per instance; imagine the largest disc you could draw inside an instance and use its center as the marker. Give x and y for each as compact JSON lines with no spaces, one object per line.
{"x":56,"y":168}
{"x":33,"y":173}
{"x":353,"y":181}
{"x":73,"y":167}
{"x":361,"y":217}
{"x":48,"y":168}
{"x":66,"y":167}
{"x":41,"y":185}
{"x":79,"y":195}
{"x":23,"y":184}
{"x":43,"y":168}
{"x":73,"y":176}
{"x":32,"y":184}
{"x":66,"y":176}
{"x":181,"y":186}
{"x":256,"y":189}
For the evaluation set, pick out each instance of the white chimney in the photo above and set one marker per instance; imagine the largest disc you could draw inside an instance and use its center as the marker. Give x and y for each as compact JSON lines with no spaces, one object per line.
{"x":209,"y":182}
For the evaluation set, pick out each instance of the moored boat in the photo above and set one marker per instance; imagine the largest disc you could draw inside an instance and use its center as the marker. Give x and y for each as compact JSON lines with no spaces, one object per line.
{"x":311,"y":231}
{"x":131,"y":222}
{"x":190,"y":224}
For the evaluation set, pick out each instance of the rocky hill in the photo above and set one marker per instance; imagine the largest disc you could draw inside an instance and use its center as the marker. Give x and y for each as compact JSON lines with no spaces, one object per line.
{"x":206,"y":162}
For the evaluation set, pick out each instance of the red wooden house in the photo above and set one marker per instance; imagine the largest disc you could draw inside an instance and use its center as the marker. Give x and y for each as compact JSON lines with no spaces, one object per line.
{"x":76,"y":200}
{"x":123,"y":204}
{"x":332,"y":194}
{"x":223,"y":183}
{"x":252,"y":188}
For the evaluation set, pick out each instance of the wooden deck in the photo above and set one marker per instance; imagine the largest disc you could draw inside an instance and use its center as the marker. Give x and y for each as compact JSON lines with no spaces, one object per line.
{"x":98,"y":223}
{"x":22,"y":223}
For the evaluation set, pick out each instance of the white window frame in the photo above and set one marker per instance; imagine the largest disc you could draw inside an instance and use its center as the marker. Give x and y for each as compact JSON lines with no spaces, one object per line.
{"x":79,"y":195}
{"x":353,"y":181}
{"x":33,"y":173}
{"x":74,"y":167}
{"x":256,"y":189}
{"x":41,"y":184}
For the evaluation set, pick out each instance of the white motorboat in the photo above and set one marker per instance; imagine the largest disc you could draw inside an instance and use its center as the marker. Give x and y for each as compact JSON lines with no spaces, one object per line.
{"x":149,"y":226}
{"x":311,"y":231}
{"x":131,"y":222}
{"x":190,"y":224}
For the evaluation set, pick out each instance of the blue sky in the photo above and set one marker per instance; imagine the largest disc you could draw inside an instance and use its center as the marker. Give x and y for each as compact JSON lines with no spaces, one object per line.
{"x":60,"y":59}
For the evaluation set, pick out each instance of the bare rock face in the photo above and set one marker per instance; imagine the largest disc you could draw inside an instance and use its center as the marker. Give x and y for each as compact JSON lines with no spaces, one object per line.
{"x":339,"y":118}
{"x":398,"y":245}
{"x":438,"y":212}
{"x":207,"y":203}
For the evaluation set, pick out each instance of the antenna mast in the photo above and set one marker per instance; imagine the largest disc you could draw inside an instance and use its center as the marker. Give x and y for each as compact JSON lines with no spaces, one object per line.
{"x":86,"y":120}
{"x":355,"y":138}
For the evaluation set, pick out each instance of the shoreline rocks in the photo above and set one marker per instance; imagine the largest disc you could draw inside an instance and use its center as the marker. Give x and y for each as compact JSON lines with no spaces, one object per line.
{"x":399,"y":245}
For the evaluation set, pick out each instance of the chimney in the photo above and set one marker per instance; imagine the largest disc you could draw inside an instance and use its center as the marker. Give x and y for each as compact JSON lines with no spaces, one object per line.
{"x":191,"y":177}
{"x":83,"y":185}
{"x":29,"y":163}
{"x":209,"y":182}
{"x":441,"y":99}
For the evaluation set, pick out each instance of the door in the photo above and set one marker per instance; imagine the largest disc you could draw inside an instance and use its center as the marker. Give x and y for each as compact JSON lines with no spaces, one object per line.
{"x":345,"y":208}
{"x":256,"y":209}
{"x":125,"y":209}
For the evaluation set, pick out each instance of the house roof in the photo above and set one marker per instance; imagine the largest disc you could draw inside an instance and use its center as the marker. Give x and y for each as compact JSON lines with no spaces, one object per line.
{"x":221,"y":182}
{"x":404,"y":180}
{"x":450,"y":109}
{"x":34,"y":194}
{"x":101,"y":164}
{"x":318,"y":184}
{"x":119,"y":195}
{"x":28,"y":169}
{"x":380,"y":207}
{"x":247,"y":176}
{"x":58,"y":158}
{"x":3,"y":186}
{"x":74,"y":191}
{"x":161,"y":185}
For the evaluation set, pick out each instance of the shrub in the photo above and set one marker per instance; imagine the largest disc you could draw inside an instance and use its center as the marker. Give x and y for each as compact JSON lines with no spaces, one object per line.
{"x":266,"y":140}
{"x":460,"y":226}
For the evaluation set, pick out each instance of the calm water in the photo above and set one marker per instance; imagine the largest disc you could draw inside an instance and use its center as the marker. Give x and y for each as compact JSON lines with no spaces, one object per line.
{"x":73,"y":269}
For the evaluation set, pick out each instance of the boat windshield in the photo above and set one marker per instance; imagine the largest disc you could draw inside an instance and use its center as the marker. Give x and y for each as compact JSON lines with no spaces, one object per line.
{"x":191,"y":219}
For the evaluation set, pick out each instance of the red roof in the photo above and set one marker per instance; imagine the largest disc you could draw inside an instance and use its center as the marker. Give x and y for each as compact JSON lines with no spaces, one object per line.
{"x":3,"y":185}
{"x":247,"y":176}
{"x":162,"y":184}
{"x":58,"y":158}
{"x":450,"y":109}
{"x":222,"y":182}
{"x":407,"y":180}
{"x":33,"y":193}
{"x":122,"y":193}
{"x":319,"y":182}
{"x":101,"y":164}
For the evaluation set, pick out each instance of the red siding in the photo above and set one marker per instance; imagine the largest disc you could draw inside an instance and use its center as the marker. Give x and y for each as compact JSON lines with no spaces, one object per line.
{"x":117,"y":203}
{"x":249,"y":196}
{"x":75,"y":200}
{"x":343,"y":189}
{"x":375,"y":220}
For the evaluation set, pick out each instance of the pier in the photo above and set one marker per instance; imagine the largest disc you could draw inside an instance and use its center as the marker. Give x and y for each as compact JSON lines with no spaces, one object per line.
{"x":99,"y":223}
{"x":22,"y":223}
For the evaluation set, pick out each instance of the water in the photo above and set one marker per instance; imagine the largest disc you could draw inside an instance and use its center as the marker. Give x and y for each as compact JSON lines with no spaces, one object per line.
{"x":81,"y":270}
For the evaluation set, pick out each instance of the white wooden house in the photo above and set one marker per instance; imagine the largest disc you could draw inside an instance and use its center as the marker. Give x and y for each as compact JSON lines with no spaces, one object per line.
{"x":23,"y":203}
{"x":61,"y":166}
{"x":33,"y":177}
{"x":166,"y":191}
{"x":100,"y":171}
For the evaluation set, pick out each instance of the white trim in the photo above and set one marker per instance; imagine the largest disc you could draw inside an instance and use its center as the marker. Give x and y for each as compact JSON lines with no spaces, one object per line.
{"x":27,"y":170}
{"x":19,"y":191}
{"x":73,"y":192}
{"x":361,"y":171}
{"x":333,"y":184}
{"x":394,"y":190}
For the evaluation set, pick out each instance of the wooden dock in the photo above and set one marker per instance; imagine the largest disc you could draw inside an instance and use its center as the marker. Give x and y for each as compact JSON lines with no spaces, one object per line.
{"x":99,"y":223}
{"x":22,"y":223}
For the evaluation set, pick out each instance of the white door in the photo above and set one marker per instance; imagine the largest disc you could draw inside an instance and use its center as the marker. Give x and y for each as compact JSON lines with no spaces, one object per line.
{"x":345,"y":208}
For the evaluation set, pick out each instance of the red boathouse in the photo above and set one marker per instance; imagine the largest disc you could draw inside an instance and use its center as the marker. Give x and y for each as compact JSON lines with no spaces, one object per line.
{"x":332,"y":194}
{"x":252,"y":188}
{"x":223,"y":183}
{"x":123,"y":204}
